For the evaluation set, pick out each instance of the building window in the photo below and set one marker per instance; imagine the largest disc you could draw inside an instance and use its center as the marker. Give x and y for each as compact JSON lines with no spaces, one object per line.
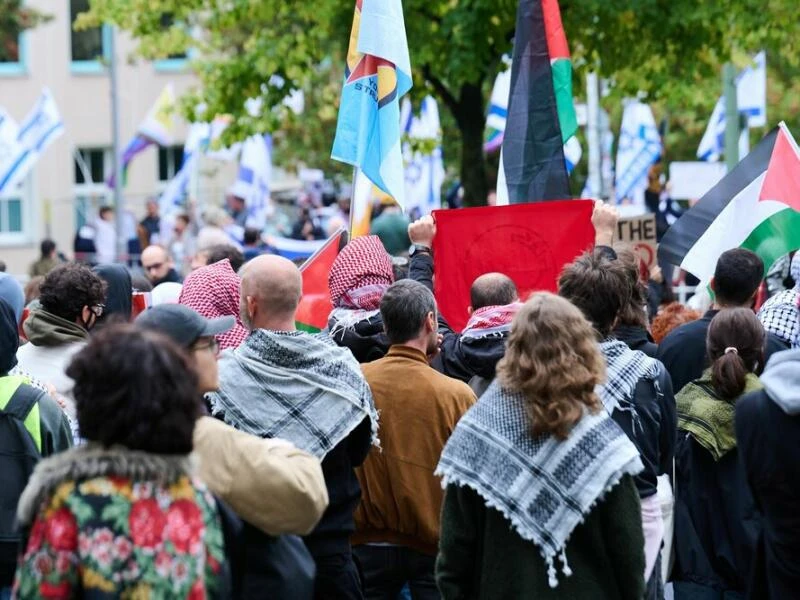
{"x":170,"y":160}
{"x":12,"y":50}
{"x":87,"y":46}
{"x":14,"y":215}
{"x":92,"y":168}
{"x":173,"y":62}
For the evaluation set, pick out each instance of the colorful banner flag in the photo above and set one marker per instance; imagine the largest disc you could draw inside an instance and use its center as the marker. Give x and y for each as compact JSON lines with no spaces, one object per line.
{"x":315,"y":305}
{"x":541,"y":80}
{"x":755,"y":206}
{"x":639,"y":148}
{"x":424,"y":173}
{"x":41,"y":127}
{"x":377,"y":75}
{"x":158,"y":127}
{"x":751,"y":100}
{"x":530,"y":243}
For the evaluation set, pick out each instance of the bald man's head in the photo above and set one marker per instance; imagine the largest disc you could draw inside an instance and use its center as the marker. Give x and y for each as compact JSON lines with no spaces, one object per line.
{"x":156,"y":263}
{"x":493,"y":289}
{"x":271,"y":290}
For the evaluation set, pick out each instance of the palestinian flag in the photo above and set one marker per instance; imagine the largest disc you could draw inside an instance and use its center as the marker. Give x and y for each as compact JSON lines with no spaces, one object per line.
{"x":541,"y":115}
{"x":755,"y":206}
{"x":315,"y":305}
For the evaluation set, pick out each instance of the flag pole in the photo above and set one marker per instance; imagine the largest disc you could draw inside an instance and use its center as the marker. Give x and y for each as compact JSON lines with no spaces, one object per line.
{"x":731,"y":116}
{"x":353,"y":203}
{"x":119,"y":208}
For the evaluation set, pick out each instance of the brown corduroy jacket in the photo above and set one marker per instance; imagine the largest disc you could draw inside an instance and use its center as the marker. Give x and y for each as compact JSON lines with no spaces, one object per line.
{"x":401,"y":500}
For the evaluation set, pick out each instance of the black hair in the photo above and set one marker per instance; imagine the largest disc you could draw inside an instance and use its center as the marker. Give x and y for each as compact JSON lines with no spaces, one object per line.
{"x":735,"y":344}
{"x":47,"y":247}
{"x":598,"y":286}
{"x":68,"y":288}
{"x":251,"y":235}
{"x":223,"y":251}
{"x":736,"y":279}
{"x":492,"y":289}
{"x":104,"y":209}
{"x":137,"y":389}
{"x":404,"y":308}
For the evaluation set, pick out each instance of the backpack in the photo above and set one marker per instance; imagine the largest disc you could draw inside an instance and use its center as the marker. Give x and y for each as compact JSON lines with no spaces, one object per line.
{"x":18,"y":457}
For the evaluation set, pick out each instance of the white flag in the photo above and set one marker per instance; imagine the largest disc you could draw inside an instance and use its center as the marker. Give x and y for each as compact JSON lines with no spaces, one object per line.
{"x":39,"y":129}
{"x":751,"y":100}
{"x":424,"y":173}
{"x":253,"y":179}
{"x":639,"y":148}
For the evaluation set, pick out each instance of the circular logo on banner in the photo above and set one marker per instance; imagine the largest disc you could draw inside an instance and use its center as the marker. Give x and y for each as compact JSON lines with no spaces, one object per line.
{"x":502,"y":241}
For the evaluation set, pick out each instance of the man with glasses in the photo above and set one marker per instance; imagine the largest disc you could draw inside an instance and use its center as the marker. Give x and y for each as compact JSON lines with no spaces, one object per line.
{"x":72,"y":300}
{"x":158,"y":266}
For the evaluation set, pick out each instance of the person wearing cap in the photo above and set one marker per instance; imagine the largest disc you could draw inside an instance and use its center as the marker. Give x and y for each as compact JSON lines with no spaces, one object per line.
{"x":268,"y":482}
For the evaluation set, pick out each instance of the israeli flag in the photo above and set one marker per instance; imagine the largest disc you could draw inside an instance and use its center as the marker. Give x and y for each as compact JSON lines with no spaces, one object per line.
{"x":639,"y":148}
{"x":424,"y":173}
{"x":751,"y":99}
{"x":41,"y":127}
{"x":252,"y":181}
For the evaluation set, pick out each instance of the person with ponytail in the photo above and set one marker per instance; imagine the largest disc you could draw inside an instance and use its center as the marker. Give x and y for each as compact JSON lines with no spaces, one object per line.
{"x":715,"y":523}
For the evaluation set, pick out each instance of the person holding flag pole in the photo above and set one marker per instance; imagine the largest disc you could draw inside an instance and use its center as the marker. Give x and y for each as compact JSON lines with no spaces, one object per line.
{"x":377,"y":75}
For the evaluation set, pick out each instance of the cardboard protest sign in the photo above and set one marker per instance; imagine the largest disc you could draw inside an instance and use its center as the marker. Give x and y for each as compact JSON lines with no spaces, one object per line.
{"x":530,"y":243}
{"x":640,"y":232}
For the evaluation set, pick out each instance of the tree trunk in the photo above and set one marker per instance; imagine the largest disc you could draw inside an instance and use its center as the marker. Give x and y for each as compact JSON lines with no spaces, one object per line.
{"x":471,"y":120}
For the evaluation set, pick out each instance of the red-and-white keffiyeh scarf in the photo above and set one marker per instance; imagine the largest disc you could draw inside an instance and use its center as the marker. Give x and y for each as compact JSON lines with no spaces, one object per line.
{"x":359,"y":277}
{"x":491,"y":321}
{"x":213,"y":291}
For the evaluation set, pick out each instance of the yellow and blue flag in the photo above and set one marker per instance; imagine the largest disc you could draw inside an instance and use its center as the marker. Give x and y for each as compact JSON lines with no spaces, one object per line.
{"x":377,"y":75}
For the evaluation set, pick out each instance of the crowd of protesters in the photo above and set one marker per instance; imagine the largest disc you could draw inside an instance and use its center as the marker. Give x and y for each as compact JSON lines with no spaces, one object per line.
{"x":574,"y":445}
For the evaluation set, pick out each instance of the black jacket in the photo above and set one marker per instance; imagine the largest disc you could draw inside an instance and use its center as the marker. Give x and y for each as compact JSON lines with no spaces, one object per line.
{"x":653,"y":432}
{"x":367,"y":340}
{"x":683,"y":351}
{"x":332,"y":534}
{"x":636,"y":338}
{"x":461,"y":358}
{"x":715,"y":522}
{"x":171,"y":277}
{"x":770,"y":454}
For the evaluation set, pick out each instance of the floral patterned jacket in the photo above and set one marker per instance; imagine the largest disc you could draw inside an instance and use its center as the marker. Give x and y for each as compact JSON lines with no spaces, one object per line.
{"x":119,"y":524}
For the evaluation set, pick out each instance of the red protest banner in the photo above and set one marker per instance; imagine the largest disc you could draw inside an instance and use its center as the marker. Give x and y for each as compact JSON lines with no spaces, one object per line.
{"x":530,"y":243}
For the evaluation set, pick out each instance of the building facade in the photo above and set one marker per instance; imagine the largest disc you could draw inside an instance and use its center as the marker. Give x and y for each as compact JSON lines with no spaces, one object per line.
{"x":67,"y":185}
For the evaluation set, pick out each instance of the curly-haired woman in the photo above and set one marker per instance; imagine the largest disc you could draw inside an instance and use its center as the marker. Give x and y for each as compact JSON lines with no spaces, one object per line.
{"x":123,"y":516}
{"x":540,"y":501}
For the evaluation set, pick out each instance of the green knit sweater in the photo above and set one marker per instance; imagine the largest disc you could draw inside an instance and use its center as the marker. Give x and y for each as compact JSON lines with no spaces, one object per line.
{"x":482,"y":556}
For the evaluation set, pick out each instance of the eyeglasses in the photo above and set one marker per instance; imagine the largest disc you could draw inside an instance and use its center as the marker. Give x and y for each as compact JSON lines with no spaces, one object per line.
{"x":212,"y":346}
{"x":154,"y":267}
{"x":98,"y":310}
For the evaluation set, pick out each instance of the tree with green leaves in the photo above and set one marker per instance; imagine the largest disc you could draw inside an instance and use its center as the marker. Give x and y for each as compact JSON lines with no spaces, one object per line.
{"x":15,"y":18}
{"x":669,"y":50}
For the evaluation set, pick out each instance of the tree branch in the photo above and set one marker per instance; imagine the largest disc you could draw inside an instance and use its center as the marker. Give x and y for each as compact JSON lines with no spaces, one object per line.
{"x":446,"y":95}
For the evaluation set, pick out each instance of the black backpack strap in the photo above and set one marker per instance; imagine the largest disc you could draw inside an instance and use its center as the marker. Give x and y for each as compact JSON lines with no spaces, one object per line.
{"x":22,"y":401}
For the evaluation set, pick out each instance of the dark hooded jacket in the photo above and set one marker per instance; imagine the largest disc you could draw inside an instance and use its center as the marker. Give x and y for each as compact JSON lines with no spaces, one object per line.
{"x":767,"y":430}
{"x":460,"y":357}
{"x":171,"y":277}
{"x":118,"y":295}
{"x":54,"y":432}
{"x":366,"y":339}
{"x":636,"y":338}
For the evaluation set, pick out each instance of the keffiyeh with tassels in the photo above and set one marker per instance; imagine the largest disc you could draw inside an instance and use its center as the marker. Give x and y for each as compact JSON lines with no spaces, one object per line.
{"x":543,"y":486}
{"x":359,"y":277}
{"x":780,"y":314}
{"x":491,"y":321}
{"x":213,"y":291}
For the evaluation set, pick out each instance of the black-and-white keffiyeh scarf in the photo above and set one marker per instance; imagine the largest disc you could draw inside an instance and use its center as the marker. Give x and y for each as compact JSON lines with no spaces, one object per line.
{"x":780,"y":315}
{"x":295,"y":386}
{"x":625,"y":369}
{"x":544,"y":486}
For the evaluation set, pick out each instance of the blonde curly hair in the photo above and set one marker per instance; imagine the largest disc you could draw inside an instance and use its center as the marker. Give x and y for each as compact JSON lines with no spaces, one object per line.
{"x":553,"y":359}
